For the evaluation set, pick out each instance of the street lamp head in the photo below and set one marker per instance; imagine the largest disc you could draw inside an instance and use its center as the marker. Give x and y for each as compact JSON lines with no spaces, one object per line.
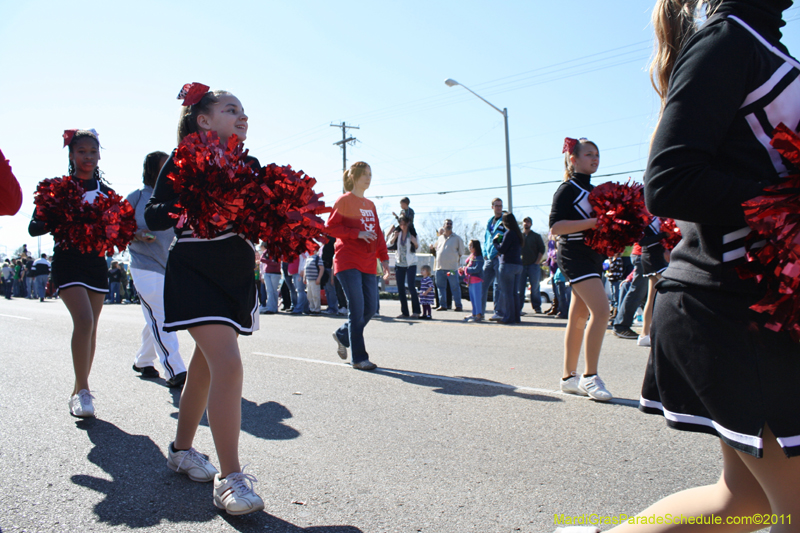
{"x":451,"y":82}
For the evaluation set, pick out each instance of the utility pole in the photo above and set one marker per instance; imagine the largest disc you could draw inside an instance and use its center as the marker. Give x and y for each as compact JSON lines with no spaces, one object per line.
{"x":345,"y":141}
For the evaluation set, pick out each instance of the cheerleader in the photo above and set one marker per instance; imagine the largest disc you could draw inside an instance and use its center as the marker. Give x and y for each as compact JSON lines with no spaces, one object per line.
{"x":654,"y":262}
{"x":570,"y":216}
{"x":81,"y":279}
{"x":209,"y":290}
{"x":714,"y":368}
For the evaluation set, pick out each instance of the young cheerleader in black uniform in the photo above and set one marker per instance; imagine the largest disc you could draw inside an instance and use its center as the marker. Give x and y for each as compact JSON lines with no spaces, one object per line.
{"x":714,"y":368}
{"x":210,"y":291}
{"x":570,"y":216}
{"x":80,"y":278}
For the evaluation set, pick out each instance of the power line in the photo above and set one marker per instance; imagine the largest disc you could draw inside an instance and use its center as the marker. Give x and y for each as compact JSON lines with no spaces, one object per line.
{"x":497,"y":187}
{"x":435,"y":101}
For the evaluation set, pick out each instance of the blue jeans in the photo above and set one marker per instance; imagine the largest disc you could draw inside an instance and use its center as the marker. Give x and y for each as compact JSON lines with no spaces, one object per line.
{"x":361,"y":291}
{"x":262,"y":294}
{"x":633,"y":296}
{"x":330,"y":294}
{"x":490,"y":267}
{"x":534,"y":274}
{"x":476,"y":297}
{"x":40,"y":284}
{"x":442,"y":279}
{"x":114,"y":295}
{"x":292,"y":293}
{"x":301,"y":304}
{"x":509,"y":275}
{"x":564,"y":295}
{"x":407,"y":276}
{"x":29,"y":286}
{"x":271,"y":284}
{"x":614,"y":293}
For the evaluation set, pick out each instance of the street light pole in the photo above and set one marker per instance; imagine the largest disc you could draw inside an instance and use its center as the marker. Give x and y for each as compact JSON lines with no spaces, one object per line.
{"x":451,"y":83}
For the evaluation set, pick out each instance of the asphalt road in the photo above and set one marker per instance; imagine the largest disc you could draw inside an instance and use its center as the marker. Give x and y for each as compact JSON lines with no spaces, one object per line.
{"x":460,"y":430}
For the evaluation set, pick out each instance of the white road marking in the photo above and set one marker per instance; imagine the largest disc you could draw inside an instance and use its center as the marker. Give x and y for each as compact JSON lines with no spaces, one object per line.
{"x":472,"y":381}
{"x":14,"y":316}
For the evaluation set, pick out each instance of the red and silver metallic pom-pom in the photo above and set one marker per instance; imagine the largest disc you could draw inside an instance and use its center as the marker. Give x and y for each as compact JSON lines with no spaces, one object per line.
{"x":621,"y":217}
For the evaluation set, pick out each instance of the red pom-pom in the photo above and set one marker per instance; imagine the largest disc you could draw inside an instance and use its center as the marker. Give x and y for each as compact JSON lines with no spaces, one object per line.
{"x":116,"y":225}
{"x":773,"y":247}
{"x":275,"y":204}
{"x":672,"y":233}
{"x":621,"y":217}
{"x":290,"y":224}
{"x":98,"y":227}
{"x":210,"y":181}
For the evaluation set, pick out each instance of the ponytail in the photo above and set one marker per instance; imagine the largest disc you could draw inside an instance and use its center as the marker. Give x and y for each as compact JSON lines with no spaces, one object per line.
{"x":352,"y":174}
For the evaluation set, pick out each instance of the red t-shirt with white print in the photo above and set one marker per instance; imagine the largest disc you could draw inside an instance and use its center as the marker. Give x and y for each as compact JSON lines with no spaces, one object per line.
{"x":352,"y":215}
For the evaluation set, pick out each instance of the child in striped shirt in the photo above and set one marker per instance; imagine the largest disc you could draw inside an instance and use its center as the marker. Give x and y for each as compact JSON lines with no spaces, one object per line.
{"x":426,"y":294}
{"x":312,"y":276}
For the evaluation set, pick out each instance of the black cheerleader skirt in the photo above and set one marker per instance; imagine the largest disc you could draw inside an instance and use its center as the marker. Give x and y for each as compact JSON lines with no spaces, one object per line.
{"x":653,"y":261}
{"x":715,"y":369}
{"x":72,"y":268}
{"x":211,"y":282}
{"x":578,"y":262}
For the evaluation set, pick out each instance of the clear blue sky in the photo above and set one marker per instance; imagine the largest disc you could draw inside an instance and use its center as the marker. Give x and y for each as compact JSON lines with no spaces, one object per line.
{"x":576,"y":68}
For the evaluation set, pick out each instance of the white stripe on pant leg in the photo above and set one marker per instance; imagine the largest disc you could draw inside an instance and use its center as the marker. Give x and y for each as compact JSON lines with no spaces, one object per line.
{"x":146,"y":356}
{"x":150,"y":286}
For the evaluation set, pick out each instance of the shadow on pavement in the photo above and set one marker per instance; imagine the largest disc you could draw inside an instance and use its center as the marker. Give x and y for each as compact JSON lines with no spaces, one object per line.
{"x":264,"y":421}
{"x":262,"y":522}
{"x":463,"y":386}
{"x":143,"y":492}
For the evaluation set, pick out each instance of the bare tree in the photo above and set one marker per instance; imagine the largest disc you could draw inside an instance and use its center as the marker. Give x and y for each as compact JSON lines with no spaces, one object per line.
{"x":428,"y":229}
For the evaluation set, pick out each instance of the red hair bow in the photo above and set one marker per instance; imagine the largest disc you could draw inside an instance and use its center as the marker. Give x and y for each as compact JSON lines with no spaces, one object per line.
{"x":192,"y":93}
{"x":68,"y":135}
{"x":569,"y":145}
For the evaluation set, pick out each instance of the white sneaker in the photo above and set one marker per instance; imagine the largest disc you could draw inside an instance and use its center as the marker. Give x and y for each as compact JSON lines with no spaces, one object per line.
{"x":644,"y":340}
{"x":341,"y":349}
{"x":191,"y":463}
{"x":595,"y":388}
{"x":81,"y":405}
{"x":570,"y":386}
{"x":235,"y":494}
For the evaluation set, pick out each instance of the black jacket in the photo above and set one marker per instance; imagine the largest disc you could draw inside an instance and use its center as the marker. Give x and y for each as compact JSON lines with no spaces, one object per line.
{"x":711,"y":150}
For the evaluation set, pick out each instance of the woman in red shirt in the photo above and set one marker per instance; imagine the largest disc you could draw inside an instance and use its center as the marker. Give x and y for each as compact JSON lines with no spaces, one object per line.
{"x":359,"y":242}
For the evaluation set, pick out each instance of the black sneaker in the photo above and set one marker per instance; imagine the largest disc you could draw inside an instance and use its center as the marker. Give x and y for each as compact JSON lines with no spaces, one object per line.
{"x":151,"y":372}
{"x":177,"y":381}
{"x":626,"y":333}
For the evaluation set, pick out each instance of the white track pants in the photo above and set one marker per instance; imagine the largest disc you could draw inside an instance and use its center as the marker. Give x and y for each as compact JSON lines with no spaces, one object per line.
{"x":156,"y":343}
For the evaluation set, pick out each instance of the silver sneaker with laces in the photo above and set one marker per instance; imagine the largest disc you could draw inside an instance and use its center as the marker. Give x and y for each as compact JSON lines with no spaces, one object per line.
{"x":595,"y":388}
{"x":235,"y":493}
{"x":191,"y":463}
{"x":570,"y":386}
{"x":341,"y":349}
{"x":80,"y":405}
